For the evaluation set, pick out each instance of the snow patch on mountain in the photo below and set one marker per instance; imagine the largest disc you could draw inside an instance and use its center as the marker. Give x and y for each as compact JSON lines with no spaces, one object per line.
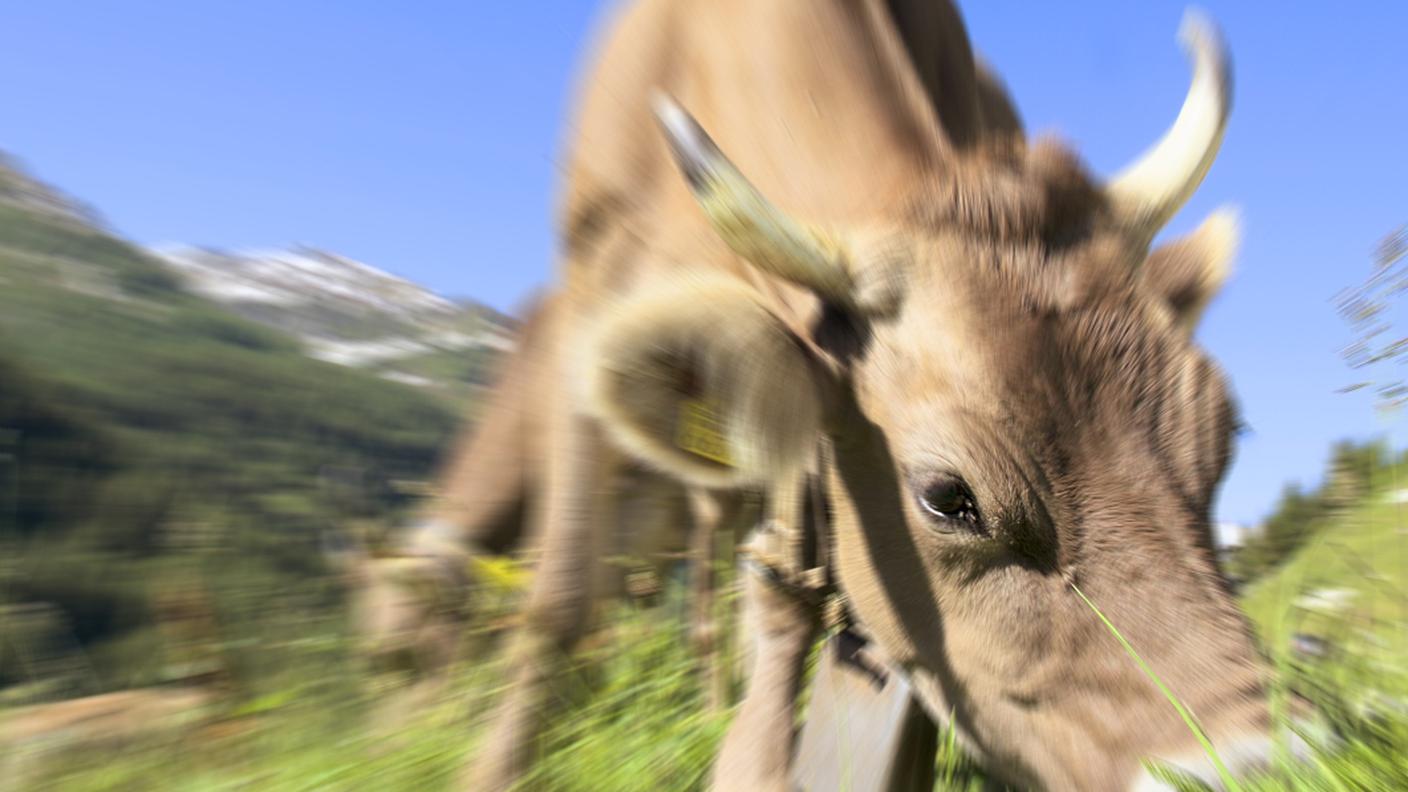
{"x":343,"y":311}
{"x":303,"y":276}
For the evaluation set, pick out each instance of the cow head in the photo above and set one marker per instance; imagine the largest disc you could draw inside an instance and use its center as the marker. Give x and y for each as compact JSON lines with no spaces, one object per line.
{"x":1019,"y":419}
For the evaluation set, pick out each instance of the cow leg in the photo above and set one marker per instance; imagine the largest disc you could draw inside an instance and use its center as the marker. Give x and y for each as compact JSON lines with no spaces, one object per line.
{"x":712,"y":515}
{"x":411,"y":609}
{"x":483,"y":493}
{"x":757,"y":750}
{"x":576,"y":514}
{"x":481,"y":502}
{"x":703,"y":626}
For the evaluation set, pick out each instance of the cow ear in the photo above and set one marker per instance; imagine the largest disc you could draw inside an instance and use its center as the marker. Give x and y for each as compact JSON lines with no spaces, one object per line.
{"x":1188,"y":272}
{"x":704,"y":382}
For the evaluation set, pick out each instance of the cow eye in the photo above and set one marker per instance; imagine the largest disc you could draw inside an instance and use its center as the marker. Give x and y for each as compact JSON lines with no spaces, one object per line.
{"x":946,"y":499}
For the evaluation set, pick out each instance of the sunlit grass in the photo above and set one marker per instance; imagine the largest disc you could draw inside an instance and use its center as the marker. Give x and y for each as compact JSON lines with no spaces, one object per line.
{"x":630,"y":712}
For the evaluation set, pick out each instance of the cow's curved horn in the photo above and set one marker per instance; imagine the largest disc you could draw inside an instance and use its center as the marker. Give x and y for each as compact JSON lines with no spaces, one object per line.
{"x":748,"y":222}
{"x":1149,"y":192}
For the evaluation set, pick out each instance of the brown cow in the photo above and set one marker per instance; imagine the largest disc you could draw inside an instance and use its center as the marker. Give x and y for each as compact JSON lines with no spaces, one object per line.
{"x":965,"y":337}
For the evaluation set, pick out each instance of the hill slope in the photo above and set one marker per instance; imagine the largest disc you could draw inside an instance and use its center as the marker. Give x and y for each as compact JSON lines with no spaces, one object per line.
{"x":225,"y":449}
{"x":1354,"y":571}
{"x":1335,"y":614}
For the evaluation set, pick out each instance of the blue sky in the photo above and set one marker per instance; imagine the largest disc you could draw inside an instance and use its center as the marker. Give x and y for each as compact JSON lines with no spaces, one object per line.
{"x":422,"y":138}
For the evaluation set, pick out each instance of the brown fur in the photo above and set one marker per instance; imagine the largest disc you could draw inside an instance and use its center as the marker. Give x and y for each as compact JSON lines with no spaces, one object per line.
{"x":1027,"y":353}
{"x":1093,"y":434}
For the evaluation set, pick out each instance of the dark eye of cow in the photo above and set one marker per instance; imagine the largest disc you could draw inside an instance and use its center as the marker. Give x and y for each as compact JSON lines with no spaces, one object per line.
{"x":948,"y":500}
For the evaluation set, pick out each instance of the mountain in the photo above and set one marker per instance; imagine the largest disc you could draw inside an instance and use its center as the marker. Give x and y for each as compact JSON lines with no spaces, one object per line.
{"x":24,"y":191}
{"x":153,"y":437}
{"x":349,"y":313}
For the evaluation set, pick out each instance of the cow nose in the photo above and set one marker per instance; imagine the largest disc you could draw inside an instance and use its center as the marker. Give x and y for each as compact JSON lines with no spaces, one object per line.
{"x":1242,"y":756}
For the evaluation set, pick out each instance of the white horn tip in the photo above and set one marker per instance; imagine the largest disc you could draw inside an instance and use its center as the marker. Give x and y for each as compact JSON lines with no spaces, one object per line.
{"x":1197,"y":30}
{"x":680,"y":126}
{"x":694,"y":151}
{"x":1202,"y":40}
{"x":1156,"y":185}
{"x":667,"y":112}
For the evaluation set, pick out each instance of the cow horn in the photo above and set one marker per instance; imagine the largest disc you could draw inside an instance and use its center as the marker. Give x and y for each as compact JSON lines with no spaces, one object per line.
{"x":1148,"y":192}
{"x":748,"y":222}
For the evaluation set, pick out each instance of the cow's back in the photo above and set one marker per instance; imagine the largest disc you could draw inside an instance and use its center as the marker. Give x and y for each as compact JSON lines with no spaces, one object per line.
{"x":830,"y":107}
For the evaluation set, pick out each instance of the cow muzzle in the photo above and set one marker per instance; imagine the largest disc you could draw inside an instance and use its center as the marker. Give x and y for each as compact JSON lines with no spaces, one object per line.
{"x":1242,"y":757}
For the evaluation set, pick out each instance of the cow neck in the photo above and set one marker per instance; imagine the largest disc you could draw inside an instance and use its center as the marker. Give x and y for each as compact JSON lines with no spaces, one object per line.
{"x":816,"y":102}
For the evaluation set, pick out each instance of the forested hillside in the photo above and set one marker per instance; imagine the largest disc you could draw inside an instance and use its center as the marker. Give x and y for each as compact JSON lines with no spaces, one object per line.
{"x":150,"y":436}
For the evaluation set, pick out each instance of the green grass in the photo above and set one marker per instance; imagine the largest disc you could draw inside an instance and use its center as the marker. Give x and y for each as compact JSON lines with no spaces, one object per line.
{"x":629,"y":716}
{"x":1362,"y":548}
{"x":630,"y":712}
{"x":639,"y":723}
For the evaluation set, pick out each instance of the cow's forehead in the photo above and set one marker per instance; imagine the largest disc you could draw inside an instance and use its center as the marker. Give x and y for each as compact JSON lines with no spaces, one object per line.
{"x":1028,"y":229}
{"x":1023,"y":313}
{"x":1017,"y":336}
{"x":1009,"y":192}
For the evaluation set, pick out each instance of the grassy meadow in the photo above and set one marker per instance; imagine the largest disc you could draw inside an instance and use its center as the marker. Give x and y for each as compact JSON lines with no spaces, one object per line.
{"x":631,"y":714}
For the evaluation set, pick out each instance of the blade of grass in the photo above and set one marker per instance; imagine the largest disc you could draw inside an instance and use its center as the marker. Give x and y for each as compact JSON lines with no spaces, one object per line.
{"x":1183,"y":712}
{"x":950,"y":750}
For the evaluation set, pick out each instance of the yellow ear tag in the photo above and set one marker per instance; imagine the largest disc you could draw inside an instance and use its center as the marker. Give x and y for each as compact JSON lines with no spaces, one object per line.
{"x":701,"y":431}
